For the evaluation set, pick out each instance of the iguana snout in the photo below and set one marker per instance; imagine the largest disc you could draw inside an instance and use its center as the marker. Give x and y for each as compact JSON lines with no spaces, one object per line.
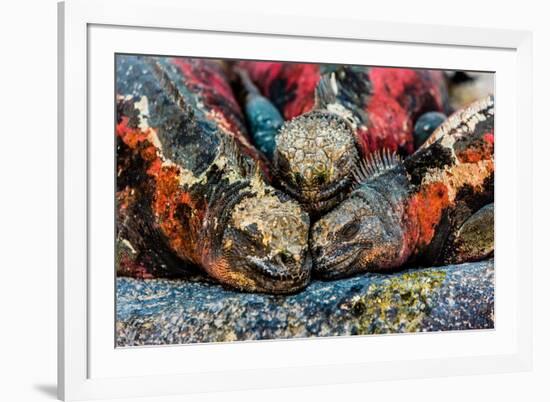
{"x":265,"y":245}
{"x":359,"y":235}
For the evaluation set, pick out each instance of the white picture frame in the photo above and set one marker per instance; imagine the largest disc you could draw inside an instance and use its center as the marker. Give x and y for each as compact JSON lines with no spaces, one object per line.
{"x":90,"y":32}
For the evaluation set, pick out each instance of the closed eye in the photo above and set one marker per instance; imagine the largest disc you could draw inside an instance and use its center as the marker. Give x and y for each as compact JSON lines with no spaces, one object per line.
{"x":349,"y":231}
{"x":248,"y":236}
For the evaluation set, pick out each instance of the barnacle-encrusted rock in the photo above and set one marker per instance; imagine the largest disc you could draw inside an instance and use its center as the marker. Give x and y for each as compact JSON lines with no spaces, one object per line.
{"x":160,"y":311}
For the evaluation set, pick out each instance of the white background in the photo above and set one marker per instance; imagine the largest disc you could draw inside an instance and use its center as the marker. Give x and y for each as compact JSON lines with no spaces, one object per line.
{"x":28,"y":203}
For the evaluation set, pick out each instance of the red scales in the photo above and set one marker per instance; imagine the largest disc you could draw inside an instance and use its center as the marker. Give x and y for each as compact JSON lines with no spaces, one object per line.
{"x":396,"y":97}
{"x":337,"y":114}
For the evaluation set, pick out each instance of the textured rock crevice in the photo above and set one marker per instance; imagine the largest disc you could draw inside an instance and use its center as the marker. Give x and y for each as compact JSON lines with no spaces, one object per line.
{"x":162,"y":311}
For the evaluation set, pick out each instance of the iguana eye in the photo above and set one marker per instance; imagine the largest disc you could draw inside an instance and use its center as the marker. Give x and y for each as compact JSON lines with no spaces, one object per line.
{"x":298,"y":179}
{"x":350,"y":230}
{"x":249,"y":234}
{"x":285,"y":257}
{"x":321,"y":178}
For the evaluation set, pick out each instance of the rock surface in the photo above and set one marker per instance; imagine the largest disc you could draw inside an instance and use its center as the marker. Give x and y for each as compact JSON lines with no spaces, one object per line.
{"x":160,"y":311}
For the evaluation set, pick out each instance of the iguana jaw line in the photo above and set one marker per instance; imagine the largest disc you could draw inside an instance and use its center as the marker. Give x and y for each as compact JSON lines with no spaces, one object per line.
{"x":261,"y":274}
{"x":259,"y":265}
{"x":319,"y":200}
{"x":336,"y":268}
{"x":270,"y":278}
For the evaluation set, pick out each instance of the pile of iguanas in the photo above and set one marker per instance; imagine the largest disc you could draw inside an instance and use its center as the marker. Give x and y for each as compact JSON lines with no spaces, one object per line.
{"x":264,"y":174}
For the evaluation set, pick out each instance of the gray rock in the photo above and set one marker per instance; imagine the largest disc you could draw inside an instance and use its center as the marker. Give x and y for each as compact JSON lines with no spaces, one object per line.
{"x":160,"y":311}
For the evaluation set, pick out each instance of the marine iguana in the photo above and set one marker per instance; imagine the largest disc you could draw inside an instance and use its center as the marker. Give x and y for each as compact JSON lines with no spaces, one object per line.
{"x":334,"y":115}
{"x":435,"y":207}
{"x":187,"y":193}
{"x":263,"y":117}
{"x":425,"y":126}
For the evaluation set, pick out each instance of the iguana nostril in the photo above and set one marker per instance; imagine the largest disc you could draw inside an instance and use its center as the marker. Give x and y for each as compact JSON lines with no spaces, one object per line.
{"x":285,"y":258}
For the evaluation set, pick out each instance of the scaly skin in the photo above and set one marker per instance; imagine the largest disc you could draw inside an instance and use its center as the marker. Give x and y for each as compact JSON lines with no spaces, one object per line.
{"x":425,"y":125}
{"x":369,"y":109}
{"x":186,"y":192}
{"x":263,"y":117}
{"x":314,"y":155}
{"x":415,"y":211}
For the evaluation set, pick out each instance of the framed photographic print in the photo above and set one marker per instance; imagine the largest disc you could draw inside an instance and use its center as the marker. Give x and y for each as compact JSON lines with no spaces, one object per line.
{"x":249,"y":202}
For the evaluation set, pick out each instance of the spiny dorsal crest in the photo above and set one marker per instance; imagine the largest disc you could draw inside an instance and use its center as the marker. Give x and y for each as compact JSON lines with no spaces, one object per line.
{"x":171,"y":90}
{"x":326,"y":91}
{"x":374,"y":164}
{"x":230,"y":150}
{"x":463,"y":120}
{"x":245,"y":166}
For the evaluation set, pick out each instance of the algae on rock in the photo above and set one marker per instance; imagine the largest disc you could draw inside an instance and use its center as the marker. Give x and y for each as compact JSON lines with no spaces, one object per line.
{"x":162,"y":311}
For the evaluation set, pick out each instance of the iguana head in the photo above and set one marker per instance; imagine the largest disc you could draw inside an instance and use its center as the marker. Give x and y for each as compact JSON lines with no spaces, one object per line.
{"x":365,"y":232}
{"x":314,"y":156}
{"x":266,"y":244}
{"x":259,"y":239}
{"x":356,"y":236}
